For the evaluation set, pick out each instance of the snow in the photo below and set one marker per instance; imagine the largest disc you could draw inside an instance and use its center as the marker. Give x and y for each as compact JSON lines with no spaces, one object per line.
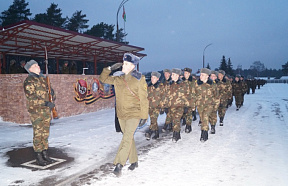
{"x":250,"y":149}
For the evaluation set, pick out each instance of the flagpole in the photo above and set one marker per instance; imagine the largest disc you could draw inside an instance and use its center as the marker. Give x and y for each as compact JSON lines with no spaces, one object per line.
{"x":120,"y":6}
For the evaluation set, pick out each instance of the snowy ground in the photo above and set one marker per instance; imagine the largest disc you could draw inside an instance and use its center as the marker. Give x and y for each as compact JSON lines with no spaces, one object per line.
{"x":250,"y":149}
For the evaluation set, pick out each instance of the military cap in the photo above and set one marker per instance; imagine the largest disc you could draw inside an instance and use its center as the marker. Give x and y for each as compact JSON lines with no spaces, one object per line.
{"x":205,"y":71}
{"x":188,"y":70}
{"x":167,"y":70}
{"x":214,"y":72}
{"x":157,"y":74}
{"x":29,"y":64}
{"x":131,"y":58}
{"x":177,"y":71}
{"x":222,"y":72}
{"x":238,"y":75}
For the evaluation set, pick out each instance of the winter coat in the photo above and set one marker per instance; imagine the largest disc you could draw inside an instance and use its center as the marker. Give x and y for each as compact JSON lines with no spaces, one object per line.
{"x":206,"y":94}
{"x":155,"y":94}
{"x":36,"y":92}
{"x":244,"y":87}
{"x":237,"y":89}
{"x":225,"y":91}
{"x":128,"y":106}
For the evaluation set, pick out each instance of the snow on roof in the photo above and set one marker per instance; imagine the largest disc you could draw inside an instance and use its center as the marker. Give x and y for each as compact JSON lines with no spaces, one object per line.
{"x":284,"y":77}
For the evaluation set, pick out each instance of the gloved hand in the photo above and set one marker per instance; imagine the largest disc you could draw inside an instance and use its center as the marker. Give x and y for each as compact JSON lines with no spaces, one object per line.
{"x":49,"y":104}
{"x":142,"y":122}
{"x":116,"y":66}
{"x":161,"y":111}
{"x":185,"y":110}
{"x":166,"y":110}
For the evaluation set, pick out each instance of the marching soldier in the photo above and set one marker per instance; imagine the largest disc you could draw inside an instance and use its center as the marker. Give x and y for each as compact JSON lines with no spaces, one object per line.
{"x":225,"y":91}
{"x":237,"y":91}
{"x":245,"y":87}
{"x":206,"y":93}
{"x":213,"y":115}
{"x":39,"y":108}
{"x":187,"y":115}
{"x":166,"y":82}
{"x":155,"y":92}
{"x":132,"y":107}
{"x":176,"y":100}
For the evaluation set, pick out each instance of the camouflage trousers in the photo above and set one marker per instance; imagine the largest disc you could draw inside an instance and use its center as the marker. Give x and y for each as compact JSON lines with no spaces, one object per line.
{"x":213,"y":117}
{"x":222,"y":109}
{"x":204,"y":113}
{"x":238,"y":99}
{"x":41,"y":128}
{"x":176,"y":115}
{"x":168,"y":117}
{"x":154,"y":113}
{"x":188,"y":116}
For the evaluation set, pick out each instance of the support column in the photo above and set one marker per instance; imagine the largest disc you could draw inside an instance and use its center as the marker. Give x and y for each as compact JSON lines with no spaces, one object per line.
{"x":57,"y":65}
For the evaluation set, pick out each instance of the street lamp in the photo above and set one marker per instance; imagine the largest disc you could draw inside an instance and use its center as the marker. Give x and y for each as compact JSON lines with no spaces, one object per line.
{"x":203,"y":55}
{"x":117,"y":32}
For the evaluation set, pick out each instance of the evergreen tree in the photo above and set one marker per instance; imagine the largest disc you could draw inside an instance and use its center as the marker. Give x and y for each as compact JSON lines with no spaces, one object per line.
{"x":208,"y":66}
{"x":230,"y":68}
{"x":102,"y":30}
{"x":223,"y":64}
{"x":77,"y":22}
{"x":53,"y":17}
{"x":285,"y":69}
{"x":15,"y":13}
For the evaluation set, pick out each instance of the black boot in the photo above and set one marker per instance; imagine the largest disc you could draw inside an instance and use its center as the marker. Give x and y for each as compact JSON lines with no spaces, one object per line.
{"x":148,"y":134}
{"x":133,"y":166}
{"x":118,"y":169}
{"x":204,"y":136}
{"x":194,"y":115}
{"x":164,"y":129}
{"x":188,"y":128}
{"x":213,"y":131}
{"x":199,"y":124}
{"x":184,"y":121}
{"x":221,"y":121}
{"x":156,"y":136}
{"x":176,"y":136}
{"x":46,"y":157}
{"x":39,"y":159}
{"x":170,"y":128}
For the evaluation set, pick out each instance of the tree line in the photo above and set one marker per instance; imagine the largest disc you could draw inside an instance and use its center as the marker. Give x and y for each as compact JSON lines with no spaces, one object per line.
{"x":19,"y":11}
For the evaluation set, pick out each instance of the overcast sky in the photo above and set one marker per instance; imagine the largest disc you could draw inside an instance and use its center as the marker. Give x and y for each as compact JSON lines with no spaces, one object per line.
{"x":174,"y":33}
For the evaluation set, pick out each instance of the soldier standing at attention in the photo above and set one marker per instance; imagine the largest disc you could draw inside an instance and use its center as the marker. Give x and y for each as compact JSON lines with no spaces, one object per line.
{"x":206,"y":93}
{"x":187,"y":115}
{"x":39,"y":108}
{"x":65,"y":68}
{"x":166,"y":82}
{"x":213,"y":115}
{"x":132,"y":106}
{"x":155,"y":94}
{"x":225,"y":91}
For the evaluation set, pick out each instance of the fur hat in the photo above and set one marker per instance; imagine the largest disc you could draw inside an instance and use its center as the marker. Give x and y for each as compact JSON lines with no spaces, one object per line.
{"x":131,"y":58}
{"x":205,"y":71}
{"x":167,"y":70}
{"x":188,"y":70}
{"x":214,"y":72}
{"x":157,"y":74}
{"x":238,"y":76}
{"x":177,"y":71}
{"x":29,"y":64}
{"x":222,"y":72}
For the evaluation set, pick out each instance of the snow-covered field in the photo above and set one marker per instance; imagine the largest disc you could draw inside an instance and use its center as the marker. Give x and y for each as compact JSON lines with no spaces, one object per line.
{"x":250,"y":149}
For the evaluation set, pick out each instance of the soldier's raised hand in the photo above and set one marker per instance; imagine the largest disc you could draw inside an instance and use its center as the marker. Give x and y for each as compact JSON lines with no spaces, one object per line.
{"x":116,"y":66}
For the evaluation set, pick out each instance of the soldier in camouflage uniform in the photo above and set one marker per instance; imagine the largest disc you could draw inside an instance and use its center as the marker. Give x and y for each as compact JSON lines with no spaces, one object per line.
{"x":213,"y":115}
{"x":225,"y":91}
{"x":176,"y":98}
{"x":39,"y":108}
{"x":237,"y":91}
{"x":155,"y":92}
{"x":206,"y":93}
{"x":65,"y":68}
{"x":187,"y":115}
{"x":194,"y":111}
{"x":166,"y":82}
{"x":245,"y":87}
{"x":230,"y":79}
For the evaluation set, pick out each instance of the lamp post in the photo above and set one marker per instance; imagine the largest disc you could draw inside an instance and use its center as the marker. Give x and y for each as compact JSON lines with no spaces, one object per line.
{"x":204,"y":56}
{"x":120,"y":6}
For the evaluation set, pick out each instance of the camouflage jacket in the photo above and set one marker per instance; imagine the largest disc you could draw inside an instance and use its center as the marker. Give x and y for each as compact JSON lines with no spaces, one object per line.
{"x":206,"y":94}
{"x":237,"y":88}
{"x":176,"y":95}
{"x":225,"y":90}
{"x":155,"y":94}
{"x":36,"y":92}
{"x":189,"y":85}
{"x":244,"y":86}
